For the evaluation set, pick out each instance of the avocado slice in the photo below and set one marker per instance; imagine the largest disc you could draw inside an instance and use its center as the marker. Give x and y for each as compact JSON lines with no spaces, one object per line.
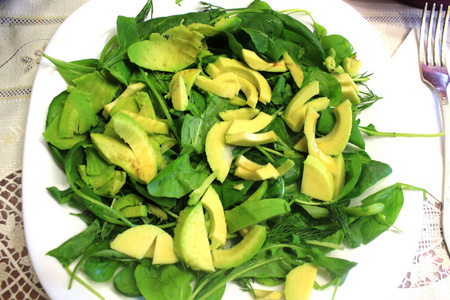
{"x":249,"y":170}
{"x":245,"y":113}
{"x":351,"y":65}
{"x":218,"y":153}
{"x":300,"y":282}
{"x":251,"y":139}
{"x":258,"y":123}
{"x":243,"y":251}
{"x":339,"y":177}
{"x":223,"y":24}
{"x":139,"y":142}
{"x":85,"y":100}
{"x":180,"y":87}
{"x":257,"y":63}
{"x":297,"y":118}
{"x":225,"y":64}
{"x":317,"y":181}
{"x":218,"y":231}
{"x":124,"y":104}
{"x":250,"y":92}
{"x":244,"y":162}
{"x":136,"y":156}
{"x":148,"y":124}
{"x":337,"y":139}
{"x":174,"y":50}
{"x":290,"y":114}
{"x":191,"y":239}
{"x":295,"y":70}
{"x":131,"y":90}
{"x":51,"y":135}
{"x":313,"y":148}
{"x":266,"y":172}
{"x":136,"y":241}
{"x":224,"y":89}
{"x":164,"y":252}
{"x":146,"y":241}
{"x":78,"y":115}
{"x":116,"y":152}
{"x":179,"y":94}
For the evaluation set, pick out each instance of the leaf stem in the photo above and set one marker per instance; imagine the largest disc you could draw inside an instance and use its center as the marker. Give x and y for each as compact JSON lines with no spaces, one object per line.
{"x":83,"y":283}
{"x":398,"y":134}
{"x":162,"y":103}
{"x":234,"y":276}
{"x":266,"y":153}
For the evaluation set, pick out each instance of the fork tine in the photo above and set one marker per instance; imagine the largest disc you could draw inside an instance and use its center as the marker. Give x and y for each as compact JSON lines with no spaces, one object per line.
{"x":422,"y":56}
{"x":429,"y":51}
{"x":444,"y":39}
{"x":437,"y":40}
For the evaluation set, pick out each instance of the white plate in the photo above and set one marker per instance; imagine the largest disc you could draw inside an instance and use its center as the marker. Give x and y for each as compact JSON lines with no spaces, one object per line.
{"x":381,"y":265}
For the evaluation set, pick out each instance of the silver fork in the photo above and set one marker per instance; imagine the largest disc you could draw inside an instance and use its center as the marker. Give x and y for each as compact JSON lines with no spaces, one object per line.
{"x":433,"y":69}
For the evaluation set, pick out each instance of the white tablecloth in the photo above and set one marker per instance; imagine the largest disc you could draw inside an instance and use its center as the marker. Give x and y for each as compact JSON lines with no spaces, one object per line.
{"x":26,"y":26}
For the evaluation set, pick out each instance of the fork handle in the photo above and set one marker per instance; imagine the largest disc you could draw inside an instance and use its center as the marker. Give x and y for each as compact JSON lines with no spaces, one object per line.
{"x":445,"y":216}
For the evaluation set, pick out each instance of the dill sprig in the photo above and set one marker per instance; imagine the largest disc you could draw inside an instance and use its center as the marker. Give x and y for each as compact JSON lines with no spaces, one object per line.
{"x":291,"y":225}
{"x":245,"y":284}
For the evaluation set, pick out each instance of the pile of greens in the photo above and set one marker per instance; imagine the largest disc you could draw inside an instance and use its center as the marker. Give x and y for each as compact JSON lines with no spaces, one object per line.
{"x":307,"y":233}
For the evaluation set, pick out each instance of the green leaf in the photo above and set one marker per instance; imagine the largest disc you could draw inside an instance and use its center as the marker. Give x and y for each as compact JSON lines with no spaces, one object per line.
{"x":125,"y":282}
{"x":163,"y":282}
{"x":177,"y":179}
{"x":71,"y":70}
{"x":366,"y":229}
{"x":74,"y":247}
{"x":101,"y":269}
{"x":127,"y":34}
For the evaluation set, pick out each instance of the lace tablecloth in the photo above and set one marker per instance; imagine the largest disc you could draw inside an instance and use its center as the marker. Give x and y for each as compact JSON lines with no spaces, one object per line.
{"x":26,"y":26}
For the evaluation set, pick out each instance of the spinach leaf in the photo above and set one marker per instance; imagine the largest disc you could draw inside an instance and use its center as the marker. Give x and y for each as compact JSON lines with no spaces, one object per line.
{"x":282,"y":91}
{"x":329,"y":86}
{"x":366,"y":229}
{"x":60,"y":196}
{"x":74,"y":247}
{"x":162,"y":24}
{"x":283,"y":142}
{"x":371,"y":173}
{"x":353,"y":166}
{"x":101,"y":269}
{"x":71,"y":70}
{"x":177,"y":179}
{"x":336,"y":267}
{"x":85,"y":195}
{"x":142,"y":189}
{"x":162,"y":282}
{"x":340,"y":44}
{"x":127,"y":34}
{"x":195,"y":128}
{"x":229,"y":195}
{"x":125,"y":282}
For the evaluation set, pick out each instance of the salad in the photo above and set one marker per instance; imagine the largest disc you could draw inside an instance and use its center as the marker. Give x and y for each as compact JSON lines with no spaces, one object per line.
{"x":210,"y":147}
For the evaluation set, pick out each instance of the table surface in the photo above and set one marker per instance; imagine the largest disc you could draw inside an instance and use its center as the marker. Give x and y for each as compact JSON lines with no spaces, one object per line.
{"x":26,"y":27}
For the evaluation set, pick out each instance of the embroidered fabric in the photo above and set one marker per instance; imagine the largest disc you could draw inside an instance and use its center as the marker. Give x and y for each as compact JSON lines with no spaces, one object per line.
{"x":25,"y":29}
